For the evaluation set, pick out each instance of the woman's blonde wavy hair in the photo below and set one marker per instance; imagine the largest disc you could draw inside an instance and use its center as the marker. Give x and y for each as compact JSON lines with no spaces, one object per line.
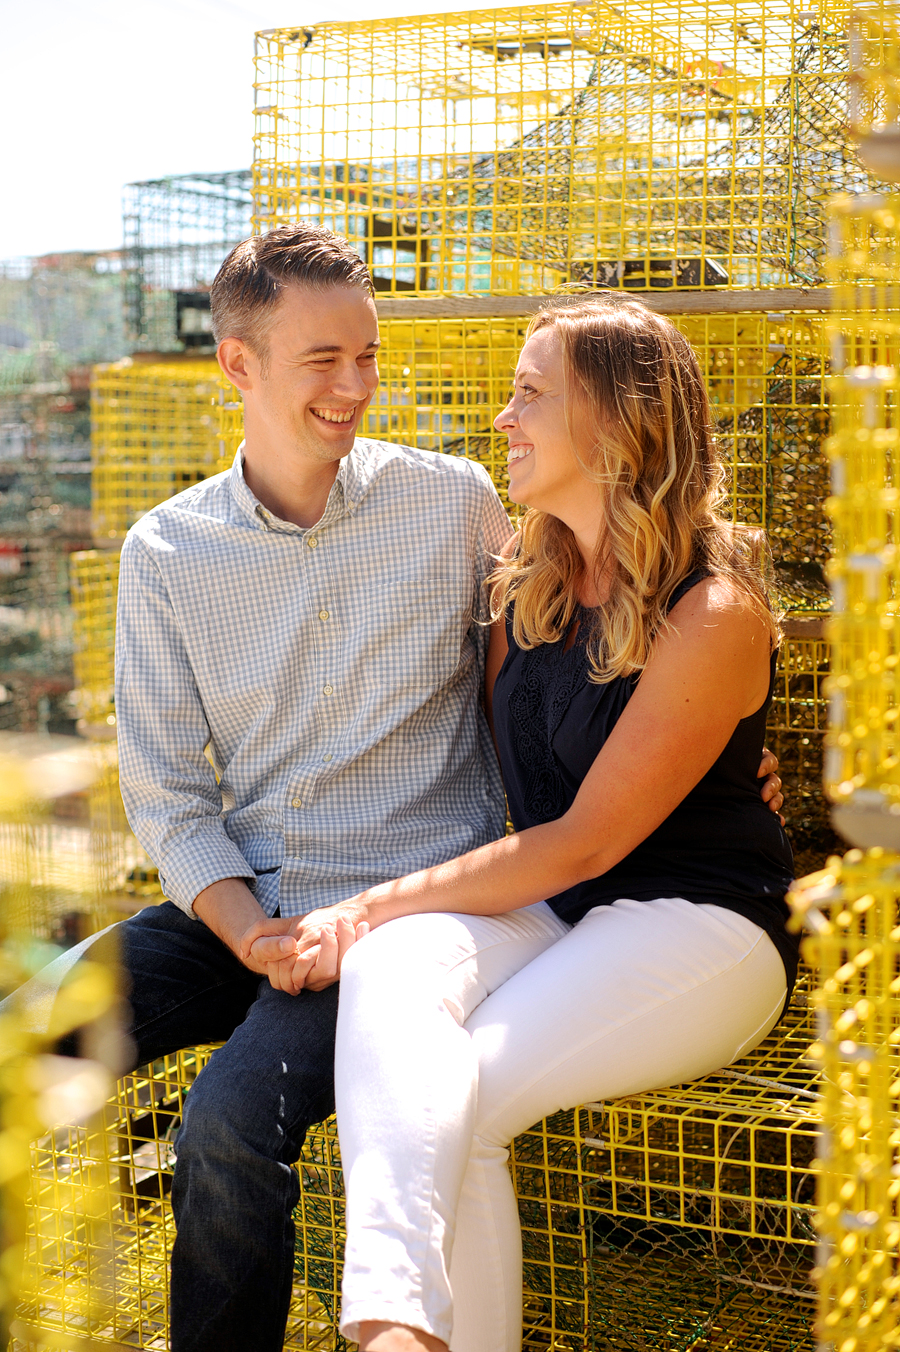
{"x":655,"y":464}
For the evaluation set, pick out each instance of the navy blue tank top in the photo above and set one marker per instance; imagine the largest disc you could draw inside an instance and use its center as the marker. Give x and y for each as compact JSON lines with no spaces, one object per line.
{"x":720,"y":845}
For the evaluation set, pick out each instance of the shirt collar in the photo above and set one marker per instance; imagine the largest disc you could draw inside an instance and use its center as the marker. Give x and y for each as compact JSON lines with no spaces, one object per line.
{"x":354,"y":476}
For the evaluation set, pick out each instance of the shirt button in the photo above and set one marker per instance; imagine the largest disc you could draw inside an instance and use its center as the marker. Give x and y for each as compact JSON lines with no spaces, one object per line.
{"x":327,"y":756}
{"x":312,"y":542}
{"x":296,"y":802}
{"x":323,"y":615}
{"x":327,"y":689}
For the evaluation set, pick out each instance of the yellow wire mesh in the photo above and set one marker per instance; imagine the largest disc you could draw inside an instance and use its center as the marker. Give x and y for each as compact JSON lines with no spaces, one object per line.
{"x":136,"y":1137}
{"x":94,"y":578}
{"x":703,"y":1191}
{"x":865,"y":464}
{"x":852,"y":910}
{"x":152,"y":435}
{"x":796,"y":733}
{"x":125,"y":878}
{"x":38,"y":1088}
{"x":874,"y":70}
{"x":514,"y":150}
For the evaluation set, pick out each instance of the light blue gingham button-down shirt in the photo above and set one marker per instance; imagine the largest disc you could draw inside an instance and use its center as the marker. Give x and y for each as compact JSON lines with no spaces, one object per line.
{"x":334,"y":674}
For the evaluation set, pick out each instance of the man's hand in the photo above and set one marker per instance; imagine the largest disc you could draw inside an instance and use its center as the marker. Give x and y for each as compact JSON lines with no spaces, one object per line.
{"x":771,"y":789}
{"x":309,"y":952}
{"x":230,"y":909}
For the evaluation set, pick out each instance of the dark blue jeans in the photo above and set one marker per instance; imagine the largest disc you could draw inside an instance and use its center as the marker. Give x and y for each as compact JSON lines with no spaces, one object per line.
{"x":244,"y":1122}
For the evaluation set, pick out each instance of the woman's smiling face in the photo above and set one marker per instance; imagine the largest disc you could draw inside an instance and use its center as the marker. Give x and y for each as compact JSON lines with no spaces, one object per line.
{"x":544,"y":471}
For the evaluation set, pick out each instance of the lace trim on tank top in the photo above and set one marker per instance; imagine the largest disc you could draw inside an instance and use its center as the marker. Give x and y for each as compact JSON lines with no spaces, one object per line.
{"x":538,"y":702}
{"x":536,"y":707}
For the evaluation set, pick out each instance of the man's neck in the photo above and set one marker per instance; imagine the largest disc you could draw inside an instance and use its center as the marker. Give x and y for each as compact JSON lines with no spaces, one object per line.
{"x":292,"y":489}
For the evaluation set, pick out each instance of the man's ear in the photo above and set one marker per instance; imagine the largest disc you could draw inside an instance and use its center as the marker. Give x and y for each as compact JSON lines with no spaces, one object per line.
{"x":233,"y":357}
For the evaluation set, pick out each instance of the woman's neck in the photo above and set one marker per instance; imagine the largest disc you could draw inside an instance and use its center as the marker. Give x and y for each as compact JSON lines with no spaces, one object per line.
{"x":593,"y":587}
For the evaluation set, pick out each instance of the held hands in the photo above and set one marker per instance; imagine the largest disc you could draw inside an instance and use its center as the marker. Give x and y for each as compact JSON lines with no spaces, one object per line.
{"x":303,"y":952}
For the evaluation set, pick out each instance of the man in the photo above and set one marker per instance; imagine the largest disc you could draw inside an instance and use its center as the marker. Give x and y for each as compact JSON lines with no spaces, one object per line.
{"x":311,"y":620}
{"x":310,"y":617}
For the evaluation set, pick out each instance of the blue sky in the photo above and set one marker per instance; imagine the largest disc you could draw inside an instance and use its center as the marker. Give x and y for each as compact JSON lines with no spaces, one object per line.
{"x":98,"y":93}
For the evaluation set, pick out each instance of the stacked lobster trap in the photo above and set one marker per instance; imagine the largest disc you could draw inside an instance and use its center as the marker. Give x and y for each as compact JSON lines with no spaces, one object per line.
{"x":177,"y":231}
{"x":54,"y":1196}
{"x":153,"y":433}
{"x":686,"y":154}
{"x":851,"y":908}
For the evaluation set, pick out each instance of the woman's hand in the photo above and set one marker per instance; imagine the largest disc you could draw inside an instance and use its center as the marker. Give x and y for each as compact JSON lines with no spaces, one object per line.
{"x":321,"y":949}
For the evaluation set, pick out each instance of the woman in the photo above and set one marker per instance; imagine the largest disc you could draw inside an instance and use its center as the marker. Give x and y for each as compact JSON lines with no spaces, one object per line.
{"x":631,"y":933}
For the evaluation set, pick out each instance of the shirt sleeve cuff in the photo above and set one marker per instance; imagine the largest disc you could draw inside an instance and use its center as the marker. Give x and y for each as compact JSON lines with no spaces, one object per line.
{"x":182,"y":880}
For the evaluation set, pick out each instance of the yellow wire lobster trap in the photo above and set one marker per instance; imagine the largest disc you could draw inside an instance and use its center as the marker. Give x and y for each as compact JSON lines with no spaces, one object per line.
{"x":516,"y":150}
{"x":39,"y":1089}
{"x":152,"y":434}
{"x":851,"y":908}
{"x":93,"y":579}
{"x":121,"y":869}
{"x":862,"y":773}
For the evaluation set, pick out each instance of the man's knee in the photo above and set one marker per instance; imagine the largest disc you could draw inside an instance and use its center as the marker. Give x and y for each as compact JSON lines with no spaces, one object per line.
{"x":267,"y":1085}
{"x":210,"y":1124}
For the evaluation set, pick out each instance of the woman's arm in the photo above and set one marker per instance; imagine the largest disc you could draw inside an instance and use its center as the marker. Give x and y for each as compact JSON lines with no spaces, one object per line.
{"x":707,"y":672}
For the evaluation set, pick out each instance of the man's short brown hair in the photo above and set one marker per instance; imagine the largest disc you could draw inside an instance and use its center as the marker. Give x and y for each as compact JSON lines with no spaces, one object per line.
{"x":249,"y":284}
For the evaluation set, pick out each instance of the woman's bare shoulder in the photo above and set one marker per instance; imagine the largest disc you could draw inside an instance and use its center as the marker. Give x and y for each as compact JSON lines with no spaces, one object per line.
{"x":720,"y":602}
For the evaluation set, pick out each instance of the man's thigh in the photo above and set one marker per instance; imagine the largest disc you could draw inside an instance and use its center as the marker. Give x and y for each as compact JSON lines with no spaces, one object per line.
{"x":272,"y":1079}
{"x":183,"y":985}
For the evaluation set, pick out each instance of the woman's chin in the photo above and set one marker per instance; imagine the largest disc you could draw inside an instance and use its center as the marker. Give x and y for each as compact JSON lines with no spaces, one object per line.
{"x":517,"y":491}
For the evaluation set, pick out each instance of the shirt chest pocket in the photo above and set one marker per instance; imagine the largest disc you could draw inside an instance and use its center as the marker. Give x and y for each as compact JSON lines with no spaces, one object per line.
{"x":412,"y":633}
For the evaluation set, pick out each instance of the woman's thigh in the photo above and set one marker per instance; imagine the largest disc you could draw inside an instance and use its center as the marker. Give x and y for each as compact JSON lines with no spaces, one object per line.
{"x":456,"y":959}
{"x":636,"y":996}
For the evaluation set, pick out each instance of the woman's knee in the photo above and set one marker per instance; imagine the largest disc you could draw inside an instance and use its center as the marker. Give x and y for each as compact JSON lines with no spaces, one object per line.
{"x":412,"y":950}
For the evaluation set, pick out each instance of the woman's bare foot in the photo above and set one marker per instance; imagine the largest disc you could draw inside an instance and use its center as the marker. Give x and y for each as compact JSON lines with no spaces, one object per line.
{"x":377,"y":1337}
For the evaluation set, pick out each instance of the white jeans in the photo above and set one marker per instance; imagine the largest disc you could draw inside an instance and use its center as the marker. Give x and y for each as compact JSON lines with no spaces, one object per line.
{"x":456,"y":1033}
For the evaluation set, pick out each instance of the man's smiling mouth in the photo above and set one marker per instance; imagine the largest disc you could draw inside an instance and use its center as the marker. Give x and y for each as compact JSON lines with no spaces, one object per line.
{"x":334,"y":415}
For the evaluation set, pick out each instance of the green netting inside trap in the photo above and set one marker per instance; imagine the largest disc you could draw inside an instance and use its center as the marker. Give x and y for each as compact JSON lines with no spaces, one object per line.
{"x":799,"y":531}
{"x":653,"y":1288}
